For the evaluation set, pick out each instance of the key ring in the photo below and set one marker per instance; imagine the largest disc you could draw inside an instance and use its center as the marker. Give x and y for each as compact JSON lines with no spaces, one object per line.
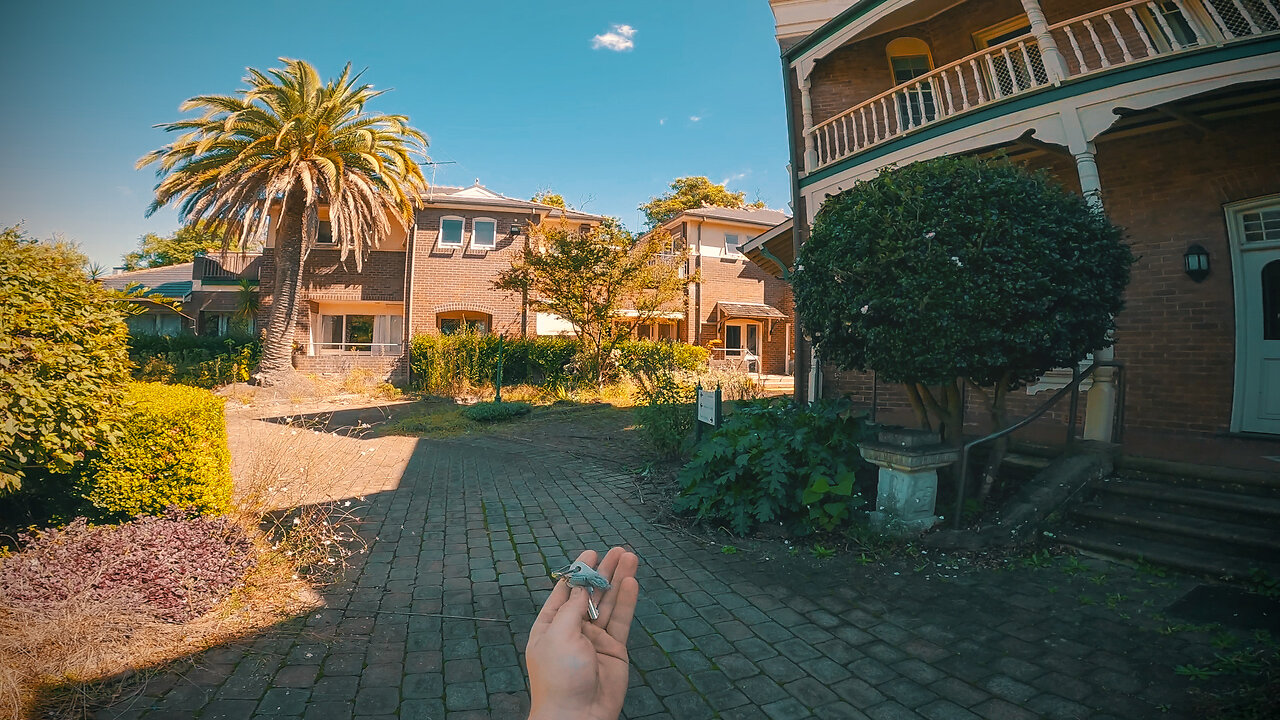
{"x":579,"y":574}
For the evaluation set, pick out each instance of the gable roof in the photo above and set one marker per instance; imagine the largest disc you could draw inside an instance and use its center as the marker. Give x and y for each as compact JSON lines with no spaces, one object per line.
{"x":478,"y":194}
{"x":170,"y":281}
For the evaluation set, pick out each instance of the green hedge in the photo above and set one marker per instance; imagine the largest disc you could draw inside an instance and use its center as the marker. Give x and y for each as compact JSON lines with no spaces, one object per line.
{"x":438,"y":364}
{"x":192,"y":360}
{"x":173,"y":452}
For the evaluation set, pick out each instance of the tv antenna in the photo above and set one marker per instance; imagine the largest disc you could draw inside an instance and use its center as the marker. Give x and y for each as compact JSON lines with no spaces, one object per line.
{"x":431,"y":189}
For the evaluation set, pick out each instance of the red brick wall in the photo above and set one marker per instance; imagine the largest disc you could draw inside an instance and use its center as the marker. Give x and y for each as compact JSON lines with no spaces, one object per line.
{"x":733,"y":280}
{"x":384,"y":368}
{"x":446,"y":279}
{"x":1176,"y":337}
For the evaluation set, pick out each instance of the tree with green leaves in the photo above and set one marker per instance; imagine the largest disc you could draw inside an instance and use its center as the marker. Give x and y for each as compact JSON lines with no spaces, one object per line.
{"x":960,"y":270}
{"x":64,"y":359}
{"x":181,"y":246}
{"x":604,"y":282}
{"x":689,"y":193}
{"x":547,"y":197}
{"x":292,"y":142}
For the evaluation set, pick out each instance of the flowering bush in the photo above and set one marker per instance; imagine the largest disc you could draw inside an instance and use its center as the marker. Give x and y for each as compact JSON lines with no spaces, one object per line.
{"x":173,"y":567}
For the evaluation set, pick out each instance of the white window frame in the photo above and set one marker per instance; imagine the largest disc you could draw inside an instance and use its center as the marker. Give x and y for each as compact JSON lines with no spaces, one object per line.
{"x":477,"y":221}
{"x":462,"y":232}
{"x":736,"y":251}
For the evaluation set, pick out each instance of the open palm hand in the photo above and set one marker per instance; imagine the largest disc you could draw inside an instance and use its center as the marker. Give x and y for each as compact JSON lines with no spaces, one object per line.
{"x":578,"y":667}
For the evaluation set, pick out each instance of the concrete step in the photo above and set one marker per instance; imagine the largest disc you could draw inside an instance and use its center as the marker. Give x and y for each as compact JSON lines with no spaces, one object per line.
{"x":1132,"y":547}
{"x":1193,"y":501}
{"x":1229,"y":537}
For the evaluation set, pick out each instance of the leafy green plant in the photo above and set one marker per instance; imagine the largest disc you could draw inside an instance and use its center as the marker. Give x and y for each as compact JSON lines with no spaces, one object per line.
{"x":495,"y":412}
{"x":773,"y":461}
{"x":172,"y":452}
{"x":63,"y":362}
{"x":821,"y":552}
{"x":1196,"y":672}
{"x":729,"y":550}
{"x":204,"y":362}
{"x":1041,"y":559}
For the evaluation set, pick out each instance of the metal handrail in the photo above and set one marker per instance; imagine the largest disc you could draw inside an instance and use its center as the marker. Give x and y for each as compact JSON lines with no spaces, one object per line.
{"x":1072,"y":388}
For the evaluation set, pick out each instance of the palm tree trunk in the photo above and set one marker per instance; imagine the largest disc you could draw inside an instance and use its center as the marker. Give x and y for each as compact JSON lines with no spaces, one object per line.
{"x":277,"y":342}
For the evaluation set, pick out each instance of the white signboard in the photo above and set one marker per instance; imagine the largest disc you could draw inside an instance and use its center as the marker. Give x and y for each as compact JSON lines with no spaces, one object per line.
{"x":709,"y":407}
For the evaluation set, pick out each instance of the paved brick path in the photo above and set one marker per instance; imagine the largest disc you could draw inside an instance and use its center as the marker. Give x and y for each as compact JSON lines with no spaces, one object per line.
{"x":474,"y":523}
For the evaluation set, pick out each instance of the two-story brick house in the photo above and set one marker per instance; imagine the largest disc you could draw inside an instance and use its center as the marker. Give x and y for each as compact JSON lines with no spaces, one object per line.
{"x":746,"y":311}
{"x":432,"y":277}
{"x":1164,"y":113}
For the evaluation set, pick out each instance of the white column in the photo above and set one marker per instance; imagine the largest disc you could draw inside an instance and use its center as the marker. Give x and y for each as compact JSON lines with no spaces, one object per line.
{"x":1054,"y":64}
{"x":806,"y":108}
{"x":1100,"y":409}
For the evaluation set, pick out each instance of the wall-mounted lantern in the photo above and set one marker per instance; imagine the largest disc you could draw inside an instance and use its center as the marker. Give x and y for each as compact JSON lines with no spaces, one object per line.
{"x":1196,"y":263}
{"x":515,"y":229}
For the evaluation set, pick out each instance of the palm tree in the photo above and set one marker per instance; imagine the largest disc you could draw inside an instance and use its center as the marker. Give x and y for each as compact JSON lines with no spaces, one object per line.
{"x":290,"y":139}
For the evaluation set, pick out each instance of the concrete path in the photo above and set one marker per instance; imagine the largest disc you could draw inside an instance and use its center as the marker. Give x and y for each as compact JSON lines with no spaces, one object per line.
{"x":472,"y":526}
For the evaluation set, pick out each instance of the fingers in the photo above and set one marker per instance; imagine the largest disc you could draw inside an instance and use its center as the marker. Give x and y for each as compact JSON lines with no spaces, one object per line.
{"x":625,"y":596}
{"x":621,"y":565}
{"x":560,"y":594}
{"x":568,"y":620}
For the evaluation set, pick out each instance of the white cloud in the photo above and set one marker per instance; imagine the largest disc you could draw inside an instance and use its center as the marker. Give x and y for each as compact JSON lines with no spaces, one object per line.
{"x":662,"y":121}
{"x":732,"y":178}
{"x":695,"y":118}
{"x":617,"y":39}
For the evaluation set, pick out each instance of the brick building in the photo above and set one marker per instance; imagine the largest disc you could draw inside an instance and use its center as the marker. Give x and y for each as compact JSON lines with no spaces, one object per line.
{"x":747,"y":310}
{"x":1164,"y":114}
{"x":433,"y":277}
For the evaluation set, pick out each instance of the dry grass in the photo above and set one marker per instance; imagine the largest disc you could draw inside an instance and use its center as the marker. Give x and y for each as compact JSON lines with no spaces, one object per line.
{"x":294,"y":493}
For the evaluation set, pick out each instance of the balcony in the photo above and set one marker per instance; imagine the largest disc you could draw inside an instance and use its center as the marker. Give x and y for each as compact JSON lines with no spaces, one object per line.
{"x":1121,"y":35}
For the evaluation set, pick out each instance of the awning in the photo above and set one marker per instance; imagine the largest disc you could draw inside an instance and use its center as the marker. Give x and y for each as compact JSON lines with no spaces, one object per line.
{"x":725,"y":311}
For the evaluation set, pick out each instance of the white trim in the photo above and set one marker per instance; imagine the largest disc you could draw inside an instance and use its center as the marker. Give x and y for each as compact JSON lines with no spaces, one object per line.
{"x":1235,"y":239}
{"x":462,"y":232}
{"x":474,"y":222}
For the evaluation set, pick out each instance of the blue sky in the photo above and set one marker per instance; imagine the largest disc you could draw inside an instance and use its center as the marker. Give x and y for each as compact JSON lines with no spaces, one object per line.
{"x":512,"y":92}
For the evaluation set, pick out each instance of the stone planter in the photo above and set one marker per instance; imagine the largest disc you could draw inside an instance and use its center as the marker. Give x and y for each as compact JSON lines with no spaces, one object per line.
{"x":907,"y":491}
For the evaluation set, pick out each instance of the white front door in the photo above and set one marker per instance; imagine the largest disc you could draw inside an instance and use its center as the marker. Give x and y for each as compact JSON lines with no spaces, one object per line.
{"x":1255,"y":230}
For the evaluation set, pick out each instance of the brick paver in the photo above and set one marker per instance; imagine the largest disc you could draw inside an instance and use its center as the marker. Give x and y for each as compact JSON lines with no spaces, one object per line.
{"x":470,"y":527}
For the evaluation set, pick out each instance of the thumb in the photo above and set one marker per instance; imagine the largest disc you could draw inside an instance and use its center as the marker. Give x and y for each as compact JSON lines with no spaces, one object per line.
{"x":570,"y":616}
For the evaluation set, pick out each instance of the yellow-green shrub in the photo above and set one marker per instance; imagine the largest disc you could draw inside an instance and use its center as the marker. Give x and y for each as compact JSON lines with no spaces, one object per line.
{"x":173,"y":451}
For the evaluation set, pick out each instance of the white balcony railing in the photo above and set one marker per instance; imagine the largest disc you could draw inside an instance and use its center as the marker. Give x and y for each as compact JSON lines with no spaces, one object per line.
{"x":1119,"y":35}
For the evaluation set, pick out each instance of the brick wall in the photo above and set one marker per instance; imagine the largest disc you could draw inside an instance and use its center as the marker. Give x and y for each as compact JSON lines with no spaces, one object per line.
{"x":391,"y":369}
{"x":1176,"y":337}
{"x":327,"y":277}
{"x":734,"y":280}
{"x":446,"y":279}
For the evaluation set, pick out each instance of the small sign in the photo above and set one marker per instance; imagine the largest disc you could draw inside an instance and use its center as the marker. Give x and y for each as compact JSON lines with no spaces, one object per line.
{"x":709,"y":407}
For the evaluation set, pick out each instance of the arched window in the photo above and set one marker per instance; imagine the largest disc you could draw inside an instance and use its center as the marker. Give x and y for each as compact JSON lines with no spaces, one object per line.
{"x":909,"y":58}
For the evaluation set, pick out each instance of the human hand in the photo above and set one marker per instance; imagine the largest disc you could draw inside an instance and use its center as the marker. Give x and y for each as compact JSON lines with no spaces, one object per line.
{"x":577,"y":667}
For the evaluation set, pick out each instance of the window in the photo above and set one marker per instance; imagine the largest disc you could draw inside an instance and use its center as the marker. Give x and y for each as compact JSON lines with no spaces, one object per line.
{"x":731,"y":242}
{"x":451,"y":232}
{"x":909,"y":58}
{"x":324,"y":234}
{"x":1261,"y":225}
{"x":998,"y":78}
{"x":484,"y":234}
{"x":458,"y":321}
{"x":375,"y":334}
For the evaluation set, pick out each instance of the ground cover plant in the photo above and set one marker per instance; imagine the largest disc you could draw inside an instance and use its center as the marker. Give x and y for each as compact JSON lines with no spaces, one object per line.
{"x":495,"y":412}
{"x":776,"y":462}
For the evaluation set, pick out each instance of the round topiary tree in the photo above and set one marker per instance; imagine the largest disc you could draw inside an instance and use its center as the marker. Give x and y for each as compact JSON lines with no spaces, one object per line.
{"x":64,"y":359}
{"x":955,"y":270}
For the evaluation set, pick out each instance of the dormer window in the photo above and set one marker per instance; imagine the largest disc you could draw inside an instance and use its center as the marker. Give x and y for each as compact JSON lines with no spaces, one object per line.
{"x":451,"y":231}
{"x":484,"y":234}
